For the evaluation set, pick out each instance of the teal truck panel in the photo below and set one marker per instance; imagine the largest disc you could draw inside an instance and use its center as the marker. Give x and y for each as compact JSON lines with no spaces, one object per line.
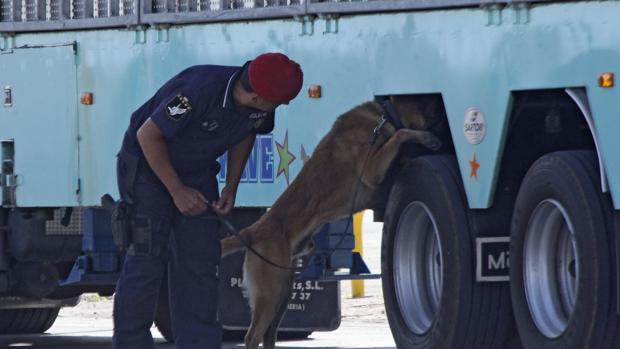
{"x":475,"y":58}
{"x":42,"y":121}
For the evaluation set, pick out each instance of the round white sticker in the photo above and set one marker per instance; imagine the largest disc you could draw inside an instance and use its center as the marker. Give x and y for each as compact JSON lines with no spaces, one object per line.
{"x":474,"y":126}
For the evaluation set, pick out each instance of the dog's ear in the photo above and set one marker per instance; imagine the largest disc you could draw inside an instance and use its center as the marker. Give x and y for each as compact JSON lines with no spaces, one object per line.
{"x":430,"y":106}
{"x":410,"y":111}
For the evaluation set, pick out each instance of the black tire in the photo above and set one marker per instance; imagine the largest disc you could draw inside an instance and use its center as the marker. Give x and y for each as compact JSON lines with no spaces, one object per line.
{"x":564,"y":187}
{"x":467,"y":314}
{"x":293,"y":335}
{"x":36,"y":320}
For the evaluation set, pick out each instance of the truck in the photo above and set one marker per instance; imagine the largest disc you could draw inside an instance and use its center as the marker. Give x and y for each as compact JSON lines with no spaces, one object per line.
{"x":510,"y":238}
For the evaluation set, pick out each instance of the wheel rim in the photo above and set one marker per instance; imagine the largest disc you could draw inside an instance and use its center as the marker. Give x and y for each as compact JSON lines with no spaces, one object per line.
{"x":417,"y":267}
{"x":550,"y":268}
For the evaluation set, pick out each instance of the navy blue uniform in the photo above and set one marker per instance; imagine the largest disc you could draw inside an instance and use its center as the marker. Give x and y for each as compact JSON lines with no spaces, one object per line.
{"x":197,"y":116}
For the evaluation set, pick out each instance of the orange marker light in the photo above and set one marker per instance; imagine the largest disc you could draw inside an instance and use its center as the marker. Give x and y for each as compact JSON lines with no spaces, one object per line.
{"x":86,"y":98}
{"x":606,"y":80}
{"x":314,"y":91}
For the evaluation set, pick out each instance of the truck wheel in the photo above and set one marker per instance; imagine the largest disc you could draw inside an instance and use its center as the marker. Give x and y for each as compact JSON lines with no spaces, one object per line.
{"x":35,"y":320}
{"x":431,"y":297}
{"x":561,"y":251}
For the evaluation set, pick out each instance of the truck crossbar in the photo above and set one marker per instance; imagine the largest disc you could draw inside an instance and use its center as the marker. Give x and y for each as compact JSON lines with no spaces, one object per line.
{"x":58,"y":15}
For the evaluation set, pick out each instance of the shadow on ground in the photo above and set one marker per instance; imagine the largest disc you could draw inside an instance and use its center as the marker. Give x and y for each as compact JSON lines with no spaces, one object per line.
{"x":75,"y":341}
{"x":60,"y":341}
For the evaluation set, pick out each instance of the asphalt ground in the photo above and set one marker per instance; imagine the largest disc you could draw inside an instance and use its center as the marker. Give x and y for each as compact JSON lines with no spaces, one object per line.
{"x":363,"y":324}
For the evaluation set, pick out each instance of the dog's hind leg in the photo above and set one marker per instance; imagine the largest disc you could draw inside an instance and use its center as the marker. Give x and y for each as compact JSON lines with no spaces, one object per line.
{"x":269,"y":338}
{"x":267,"y":286}
{"x":262,"y":316}
{"x":380,"y":161}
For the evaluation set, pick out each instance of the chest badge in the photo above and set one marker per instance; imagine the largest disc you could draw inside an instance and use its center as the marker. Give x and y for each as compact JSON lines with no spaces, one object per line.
{"x":258,"y":123}
{"x":255,"y":116}
{"x":178,"y":107}
{"x":256,"y":120}
{"x":211,"y":126}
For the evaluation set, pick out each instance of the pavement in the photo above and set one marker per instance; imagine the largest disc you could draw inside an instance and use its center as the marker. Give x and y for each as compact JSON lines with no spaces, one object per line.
{"x":363,"y":324}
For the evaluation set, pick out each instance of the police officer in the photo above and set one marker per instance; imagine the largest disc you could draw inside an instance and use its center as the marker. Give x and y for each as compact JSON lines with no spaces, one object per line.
{"x":167,"y":173}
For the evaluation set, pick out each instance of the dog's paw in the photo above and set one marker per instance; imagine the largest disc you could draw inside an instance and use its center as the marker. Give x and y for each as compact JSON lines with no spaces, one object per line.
{"x":425,"y":138}
{"x":430,"y":141}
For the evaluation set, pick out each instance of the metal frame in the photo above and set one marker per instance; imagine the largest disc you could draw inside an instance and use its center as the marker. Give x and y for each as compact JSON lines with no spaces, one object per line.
{"x":88,"y":20}
{"x":324,"y":7}
{"x":146,"y":15}
{"x":69,"y":24}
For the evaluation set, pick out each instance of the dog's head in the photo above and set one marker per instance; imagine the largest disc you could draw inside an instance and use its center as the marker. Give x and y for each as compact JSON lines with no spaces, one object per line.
{"x":416,"y":112}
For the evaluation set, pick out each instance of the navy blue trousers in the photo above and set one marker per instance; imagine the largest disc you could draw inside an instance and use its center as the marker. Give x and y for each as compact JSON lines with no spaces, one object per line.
{"x":189,"y":249}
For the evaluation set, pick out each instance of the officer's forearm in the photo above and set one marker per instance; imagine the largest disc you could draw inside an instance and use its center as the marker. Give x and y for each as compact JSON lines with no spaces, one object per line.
{"x":156,"y":153}
{"x":237,"y":156}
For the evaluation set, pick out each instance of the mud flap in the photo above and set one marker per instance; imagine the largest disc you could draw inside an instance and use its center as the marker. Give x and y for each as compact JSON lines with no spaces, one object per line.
{"x":314,"y":305}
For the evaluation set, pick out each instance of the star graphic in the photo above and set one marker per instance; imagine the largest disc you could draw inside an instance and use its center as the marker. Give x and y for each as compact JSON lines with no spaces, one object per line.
{"x":286,"y":158}
{"x":474,"y":168}
{"x":304,"y":156}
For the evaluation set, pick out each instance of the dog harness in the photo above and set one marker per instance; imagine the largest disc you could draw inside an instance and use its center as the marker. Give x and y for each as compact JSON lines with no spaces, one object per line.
{"x":389,"y":115}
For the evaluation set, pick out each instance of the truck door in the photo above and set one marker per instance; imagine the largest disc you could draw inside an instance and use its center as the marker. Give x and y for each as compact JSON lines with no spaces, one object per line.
{"x":38,"y":124}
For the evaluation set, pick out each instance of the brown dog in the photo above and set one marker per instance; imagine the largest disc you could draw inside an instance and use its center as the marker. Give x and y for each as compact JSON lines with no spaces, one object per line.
{"x":322,"y":192}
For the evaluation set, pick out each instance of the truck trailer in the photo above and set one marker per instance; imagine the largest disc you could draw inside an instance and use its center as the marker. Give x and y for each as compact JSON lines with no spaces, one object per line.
{"x":510,"y":238}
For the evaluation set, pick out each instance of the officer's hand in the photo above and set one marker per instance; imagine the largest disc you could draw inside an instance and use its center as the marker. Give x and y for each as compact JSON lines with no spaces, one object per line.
{"x":189,"y":201}
{"x":226,"y":201}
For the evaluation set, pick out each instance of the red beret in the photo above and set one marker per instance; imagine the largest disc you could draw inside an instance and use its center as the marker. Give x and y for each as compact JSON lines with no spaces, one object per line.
{"x":275,"y":77}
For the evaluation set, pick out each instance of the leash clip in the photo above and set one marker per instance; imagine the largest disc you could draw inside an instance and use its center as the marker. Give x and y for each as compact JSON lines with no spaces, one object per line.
{"x":377,"y":130}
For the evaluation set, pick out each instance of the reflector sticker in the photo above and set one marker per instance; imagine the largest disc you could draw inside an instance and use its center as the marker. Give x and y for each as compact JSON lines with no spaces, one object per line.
{"x":474,"y":126}
{"x":8,"y":97}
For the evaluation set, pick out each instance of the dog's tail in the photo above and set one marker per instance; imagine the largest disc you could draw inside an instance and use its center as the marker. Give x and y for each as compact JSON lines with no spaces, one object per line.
{"x":231,"y":245}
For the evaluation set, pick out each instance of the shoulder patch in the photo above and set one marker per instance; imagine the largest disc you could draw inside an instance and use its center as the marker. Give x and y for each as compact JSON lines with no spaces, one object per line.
{"x":178,"y":107}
